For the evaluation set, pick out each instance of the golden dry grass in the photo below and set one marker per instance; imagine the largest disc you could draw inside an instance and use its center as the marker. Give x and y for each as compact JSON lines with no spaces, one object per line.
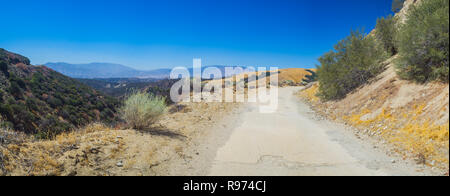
{"x":413,"y":118}
{"x":96,"y":149}
{"x":293,"y":74}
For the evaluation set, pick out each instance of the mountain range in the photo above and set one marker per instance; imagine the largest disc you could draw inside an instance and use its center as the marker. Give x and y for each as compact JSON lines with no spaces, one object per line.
{"x":110,"y":70}
{"x":105,"y":70}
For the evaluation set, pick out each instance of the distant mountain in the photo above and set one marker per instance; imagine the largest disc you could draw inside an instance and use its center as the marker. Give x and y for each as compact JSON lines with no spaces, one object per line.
{"x":38,"y":100}
{"x":105,"y":70}
{"x":109,"y":70}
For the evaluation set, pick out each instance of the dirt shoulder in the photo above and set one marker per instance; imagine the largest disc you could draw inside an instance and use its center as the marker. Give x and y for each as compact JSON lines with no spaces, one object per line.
{"x":412,"y":119}
{"x":294,"y":141}
{"x":102,"y":151}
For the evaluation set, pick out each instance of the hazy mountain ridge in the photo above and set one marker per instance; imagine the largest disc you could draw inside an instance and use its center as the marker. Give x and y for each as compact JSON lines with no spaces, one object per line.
{"x":111,"y":70}
{"x":105,"y":70}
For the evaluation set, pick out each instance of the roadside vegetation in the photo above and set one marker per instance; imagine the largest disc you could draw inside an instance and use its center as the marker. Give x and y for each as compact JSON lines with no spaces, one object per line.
{"x":41,"y":102}
{"x":142,"y":109}
{"x":408,"y":109}
{"x":423,"y":42}
{"x":354,"y":61}
{"x":386,"y":31}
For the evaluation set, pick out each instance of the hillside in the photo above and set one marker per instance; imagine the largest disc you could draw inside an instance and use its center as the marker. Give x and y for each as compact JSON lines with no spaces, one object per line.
{"x":38,"y":100}
{"x":117,"y":87}
{"x":409,"y":118}
{"x":413,"y":118}
{"x":120,"y":87}
{"x":286,"y":77}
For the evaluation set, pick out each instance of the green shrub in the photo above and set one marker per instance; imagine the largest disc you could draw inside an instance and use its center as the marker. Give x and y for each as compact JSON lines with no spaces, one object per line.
{"x":15,"y":89}
{"x":50,"y":126}
{"x":353,"y":62}
{"x":4,"y":68}
{"x":142,"y":109}
{"x":310,"y":78}
{"x":386,"y":30}
{"x":2,"y":93}
{"x":423,"y":42}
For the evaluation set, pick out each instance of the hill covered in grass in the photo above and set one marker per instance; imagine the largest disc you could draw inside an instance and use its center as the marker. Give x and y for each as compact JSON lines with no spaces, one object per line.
{"x":38,"y":100}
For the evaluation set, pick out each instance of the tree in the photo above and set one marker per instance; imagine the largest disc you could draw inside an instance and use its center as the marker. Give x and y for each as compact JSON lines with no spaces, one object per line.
{"x":386,"y":30}
{"x":4,"y":68}
{"x":310,"y":78}
{"x":354,"y":61}
{"x":423,"y":43}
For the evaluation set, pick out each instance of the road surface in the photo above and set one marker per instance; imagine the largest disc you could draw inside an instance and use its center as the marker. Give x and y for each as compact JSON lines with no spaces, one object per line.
{"x":292,"y":142}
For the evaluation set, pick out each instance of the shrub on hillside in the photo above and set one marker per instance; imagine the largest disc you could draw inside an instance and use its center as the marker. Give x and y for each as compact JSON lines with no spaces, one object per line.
{"x":4,"y":68}
{"x":423,"y":42}
{"x":141,"y":109}
{"x":386,"y":30}
{"x":310,"y":78}
{"x":353,"y":62}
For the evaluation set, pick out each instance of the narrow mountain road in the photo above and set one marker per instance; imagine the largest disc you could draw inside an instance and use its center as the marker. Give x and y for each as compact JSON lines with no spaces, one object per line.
{"x":291,"y":142}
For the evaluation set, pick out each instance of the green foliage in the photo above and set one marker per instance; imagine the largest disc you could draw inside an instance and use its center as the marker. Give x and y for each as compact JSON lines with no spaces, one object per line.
{"x":353,"y":62}
{"x":4,"y":68}
{"x":36,"y":100}
{"x":50,"y":126}
{"x":2,"y":94}
{"x":397,"y":5}
{"x":310,"y":78}
{"x":15,"y":89}
{"x":423,"y":42}
{"x":386,"y":30}
{"x":142,"y":109}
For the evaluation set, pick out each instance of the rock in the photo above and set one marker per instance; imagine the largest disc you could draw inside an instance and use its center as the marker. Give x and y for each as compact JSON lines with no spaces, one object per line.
{"x":119,"y":164}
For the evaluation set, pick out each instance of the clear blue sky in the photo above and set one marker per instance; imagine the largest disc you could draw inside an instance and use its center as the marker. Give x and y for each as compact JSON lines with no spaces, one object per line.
{"x":148,"y":34}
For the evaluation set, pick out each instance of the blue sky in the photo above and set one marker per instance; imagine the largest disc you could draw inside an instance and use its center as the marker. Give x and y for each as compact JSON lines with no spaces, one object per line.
{"x":147,"y":34}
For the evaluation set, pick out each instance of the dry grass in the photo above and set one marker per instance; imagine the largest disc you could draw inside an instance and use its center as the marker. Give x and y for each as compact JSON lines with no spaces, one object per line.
{"x":411,"y":117}
{"x":96,"y":149}
{"x":407,"y":131}
{"x":293,"y":74}
{"x":49,"y":157}
{"x":310,"y":94}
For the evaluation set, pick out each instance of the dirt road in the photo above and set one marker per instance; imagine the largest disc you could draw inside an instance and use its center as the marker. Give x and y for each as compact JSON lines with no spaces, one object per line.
{"x":291,"y":142}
